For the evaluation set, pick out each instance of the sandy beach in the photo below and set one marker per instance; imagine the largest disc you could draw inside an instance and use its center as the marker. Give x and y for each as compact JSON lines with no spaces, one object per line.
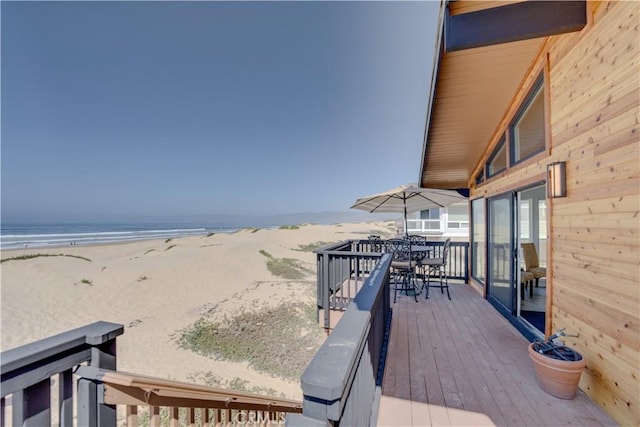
{"x":157,"y":287}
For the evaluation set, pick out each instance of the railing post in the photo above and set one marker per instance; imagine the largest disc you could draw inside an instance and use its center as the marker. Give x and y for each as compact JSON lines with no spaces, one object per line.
{"x":92,"y":411}
{"x":65,"y":399}
{"x":325,"y":292}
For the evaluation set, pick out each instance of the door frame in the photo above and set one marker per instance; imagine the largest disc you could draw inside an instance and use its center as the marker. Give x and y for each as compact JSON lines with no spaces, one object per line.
{"x":498,"y":304}
{"x":510,"y":313}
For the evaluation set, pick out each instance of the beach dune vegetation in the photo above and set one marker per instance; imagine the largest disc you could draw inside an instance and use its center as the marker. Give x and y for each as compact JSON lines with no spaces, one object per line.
{"x":31,"y":256}
{"x":289,"y":227}
{"x":278,"y":340}
{"x":210,"y":379}
{"x":287,"y":268}
{"x":310,"y":247}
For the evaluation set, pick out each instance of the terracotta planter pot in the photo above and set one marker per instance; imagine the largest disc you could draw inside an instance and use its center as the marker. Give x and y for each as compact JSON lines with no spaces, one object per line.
{"x":559,"y":378}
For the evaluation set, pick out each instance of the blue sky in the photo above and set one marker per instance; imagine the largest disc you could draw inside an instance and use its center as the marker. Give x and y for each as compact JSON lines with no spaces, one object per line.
{"x":114,"y":110}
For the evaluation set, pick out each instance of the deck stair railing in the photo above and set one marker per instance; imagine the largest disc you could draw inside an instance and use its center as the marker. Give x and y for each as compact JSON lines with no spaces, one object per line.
{"x":342,"y":268}
{"x":162,"y":402}
{"x":88,"y":355}
{"x":341,"y":385}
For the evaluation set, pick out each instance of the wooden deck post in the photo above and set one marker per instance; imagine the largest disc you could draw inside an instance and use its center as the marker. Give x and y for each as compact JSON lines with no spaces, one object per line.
{"x":92,"y":411}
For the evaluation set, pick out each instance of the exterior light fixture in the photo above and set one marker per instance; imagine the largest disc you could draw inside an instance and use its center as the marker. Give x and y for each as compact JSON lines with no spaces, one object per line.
{"x":557,"y":180}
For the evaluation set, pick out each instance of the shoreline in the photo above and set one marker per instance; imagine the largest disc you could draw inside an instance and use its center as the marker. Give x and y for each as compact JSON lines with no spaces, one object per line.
{"x":168,"y":234}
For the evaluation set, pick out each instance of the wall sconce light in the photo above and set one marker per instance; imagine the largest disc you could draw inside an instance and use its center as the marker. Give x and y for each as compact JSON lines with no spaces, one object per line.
{"x":557,"y":180}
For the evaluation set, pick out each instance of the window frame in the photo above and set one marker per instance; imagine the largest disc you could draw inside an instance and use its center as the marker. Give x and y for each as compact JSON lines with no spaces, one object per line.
{"x":501,"y":145}
{"x":482,"y":203}
{"x":537,"y":89}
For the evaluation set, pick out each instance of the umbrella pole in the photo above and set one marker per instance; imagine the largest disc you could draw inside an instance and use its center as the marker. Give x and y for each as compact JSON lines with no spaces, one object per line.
{"x":406,"y":231}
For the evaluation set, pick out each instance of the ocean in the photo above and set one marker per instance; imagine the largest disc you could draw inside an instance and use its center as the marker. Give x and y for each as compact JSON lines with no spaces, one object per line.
{"x":14,"y":235}
{"x":20,"y":236}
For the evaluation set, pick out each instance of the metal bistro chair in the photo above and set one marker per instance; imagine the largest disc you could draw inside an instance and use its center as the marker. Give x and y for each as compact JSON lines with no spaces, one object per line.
{"x":438,"y":266}
{"x":402,"y":266}
{"x":376,"y":244}
{"x":419,"y":256}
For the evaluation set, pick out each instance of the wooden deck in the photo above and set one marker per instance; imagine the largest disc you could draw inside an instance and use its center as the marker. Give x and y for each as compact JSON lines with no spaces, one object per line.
{"x":460,"y":363}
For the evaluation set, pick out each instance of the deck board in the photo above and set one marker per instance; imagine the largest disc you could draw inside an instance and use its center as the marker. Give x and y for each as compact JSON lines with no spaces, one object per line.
{"x":460,"y":362}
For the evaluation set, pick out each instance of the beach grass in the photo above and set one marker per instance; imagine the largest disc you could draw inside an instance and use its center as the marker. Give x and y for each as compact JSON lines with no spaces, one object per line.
{"x":31,"y":256}
{"x":289,"y":227}
{"x":312,"y":246}
{"x":278,"y":340}
{"x":210,"y":379}
{"x":287,"y":268}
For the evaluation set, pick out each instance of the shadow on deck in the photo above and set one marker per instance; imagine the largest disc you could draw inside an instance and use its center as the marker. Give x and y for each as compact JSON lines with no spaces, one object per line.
{"x":459,"y":362}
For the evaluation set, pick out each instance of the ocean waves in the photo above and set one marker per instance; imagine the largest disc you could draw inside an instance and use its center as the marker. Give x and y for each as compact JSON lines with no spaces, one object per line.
{"x":38,"y":235}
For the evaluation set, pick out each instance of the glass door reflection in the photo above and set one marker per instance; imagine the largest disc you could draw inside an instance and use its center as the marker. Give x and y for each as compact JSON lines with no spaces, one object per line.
{"x":501,"y":289}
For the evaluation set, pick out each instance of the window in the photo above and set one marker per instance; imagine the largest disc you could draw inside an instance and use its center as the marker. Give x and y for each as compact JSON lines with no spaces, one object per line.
{"x":527,"y":128}
{"x":498,"y":160}
{"x":458,"y":216}
{"x":525,"y":220}
{"x":430,"y":214}
{"x":478,"y":240}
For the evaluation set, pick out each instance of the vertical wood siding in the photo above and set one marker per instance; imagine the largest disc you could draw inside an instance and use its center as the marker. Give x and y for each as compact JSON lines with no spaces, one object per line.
{"x":594,"y":277}
{"x":595,"y":231}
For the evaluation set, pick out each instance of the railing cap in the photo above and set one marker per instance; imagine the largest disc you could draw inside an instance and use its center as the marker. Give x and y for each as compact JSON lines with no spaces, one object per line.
{"x":333,"y":246}
{"x":93,"y":334}
{"x":328,"y":372}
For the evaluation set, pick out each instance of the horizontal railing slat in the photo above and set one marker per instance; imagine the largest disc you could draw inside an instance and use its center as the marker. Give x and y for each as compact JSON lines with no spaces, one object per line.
{"x":93,"y":334}
{"x":14,"y":381}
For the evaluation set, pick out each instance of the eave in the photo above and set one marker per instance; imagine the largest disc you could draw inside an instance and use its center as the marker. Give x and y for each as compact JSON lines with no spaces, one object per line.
{"x":471,"y":91}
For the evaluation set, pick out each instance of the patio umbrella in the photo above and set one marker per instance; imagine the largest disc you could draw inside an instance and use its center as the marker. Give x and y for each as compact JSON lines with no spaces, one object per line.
{"x":408,"y":199}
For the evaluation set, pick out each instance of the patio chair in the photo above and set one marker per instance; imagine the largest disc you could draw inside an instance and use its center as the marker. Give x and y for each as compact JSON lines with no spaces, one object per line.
{"x":376,"y":243}
{"x":531,"y":262}
{"x":526,"y":281}
{"x":403,"y":267}
{"x":438,"y":266}
{"x":418,"y":256}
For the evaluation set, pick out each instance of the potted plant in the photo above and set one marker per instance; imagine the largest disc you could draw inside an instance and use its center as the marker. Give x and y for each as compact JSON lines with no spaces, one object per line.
{"x":558,"y":368}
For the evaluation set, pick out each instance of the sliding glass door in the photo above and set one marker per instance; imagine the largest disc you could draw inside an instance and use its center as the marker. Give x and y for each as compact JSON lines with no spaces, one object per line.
{"x":501,"y":289}
{"x":532,"y":221}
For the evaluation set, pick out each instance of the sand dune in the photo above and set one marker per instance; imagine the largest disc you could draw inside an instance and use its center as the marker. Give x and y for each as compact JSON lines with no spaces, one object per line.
{"x":155,"y":288}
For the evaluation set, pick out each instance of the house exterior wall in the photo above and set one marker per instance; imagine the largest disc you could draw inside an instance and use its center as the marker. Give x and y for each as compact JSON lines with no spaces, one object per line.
{"x":444,"y":227}
{"x":592,"y":91}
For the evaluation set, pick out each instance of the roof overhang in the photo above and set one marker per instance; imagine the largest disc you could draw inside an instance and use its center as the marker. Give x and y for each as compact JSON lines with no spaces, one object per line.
{"x":490,"y":52}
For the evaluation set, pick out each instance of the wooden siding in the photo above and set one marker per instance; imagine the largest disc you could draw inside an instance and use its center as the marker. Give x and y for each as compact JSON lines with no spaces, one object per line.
{"x":594,"y":244}
{"x":595,"y":93}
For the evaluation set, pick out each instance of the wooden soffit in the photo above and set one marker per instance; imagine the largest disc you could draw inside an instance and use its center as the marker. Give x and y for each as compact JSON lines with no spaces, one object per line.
{"x":472,"y":89}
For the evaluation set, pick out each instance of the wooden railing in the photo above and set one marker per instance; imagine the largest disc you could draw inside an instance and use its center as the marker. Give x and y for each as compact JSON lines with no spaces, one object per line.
{"x":162,"y":402}
{"x":457,"y":261}
{"x":341,"y":385}
{"x":343,"y":267}
{"x":88,"y":354}
{"x":341,"y":270}
{"x":27,"y":374}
